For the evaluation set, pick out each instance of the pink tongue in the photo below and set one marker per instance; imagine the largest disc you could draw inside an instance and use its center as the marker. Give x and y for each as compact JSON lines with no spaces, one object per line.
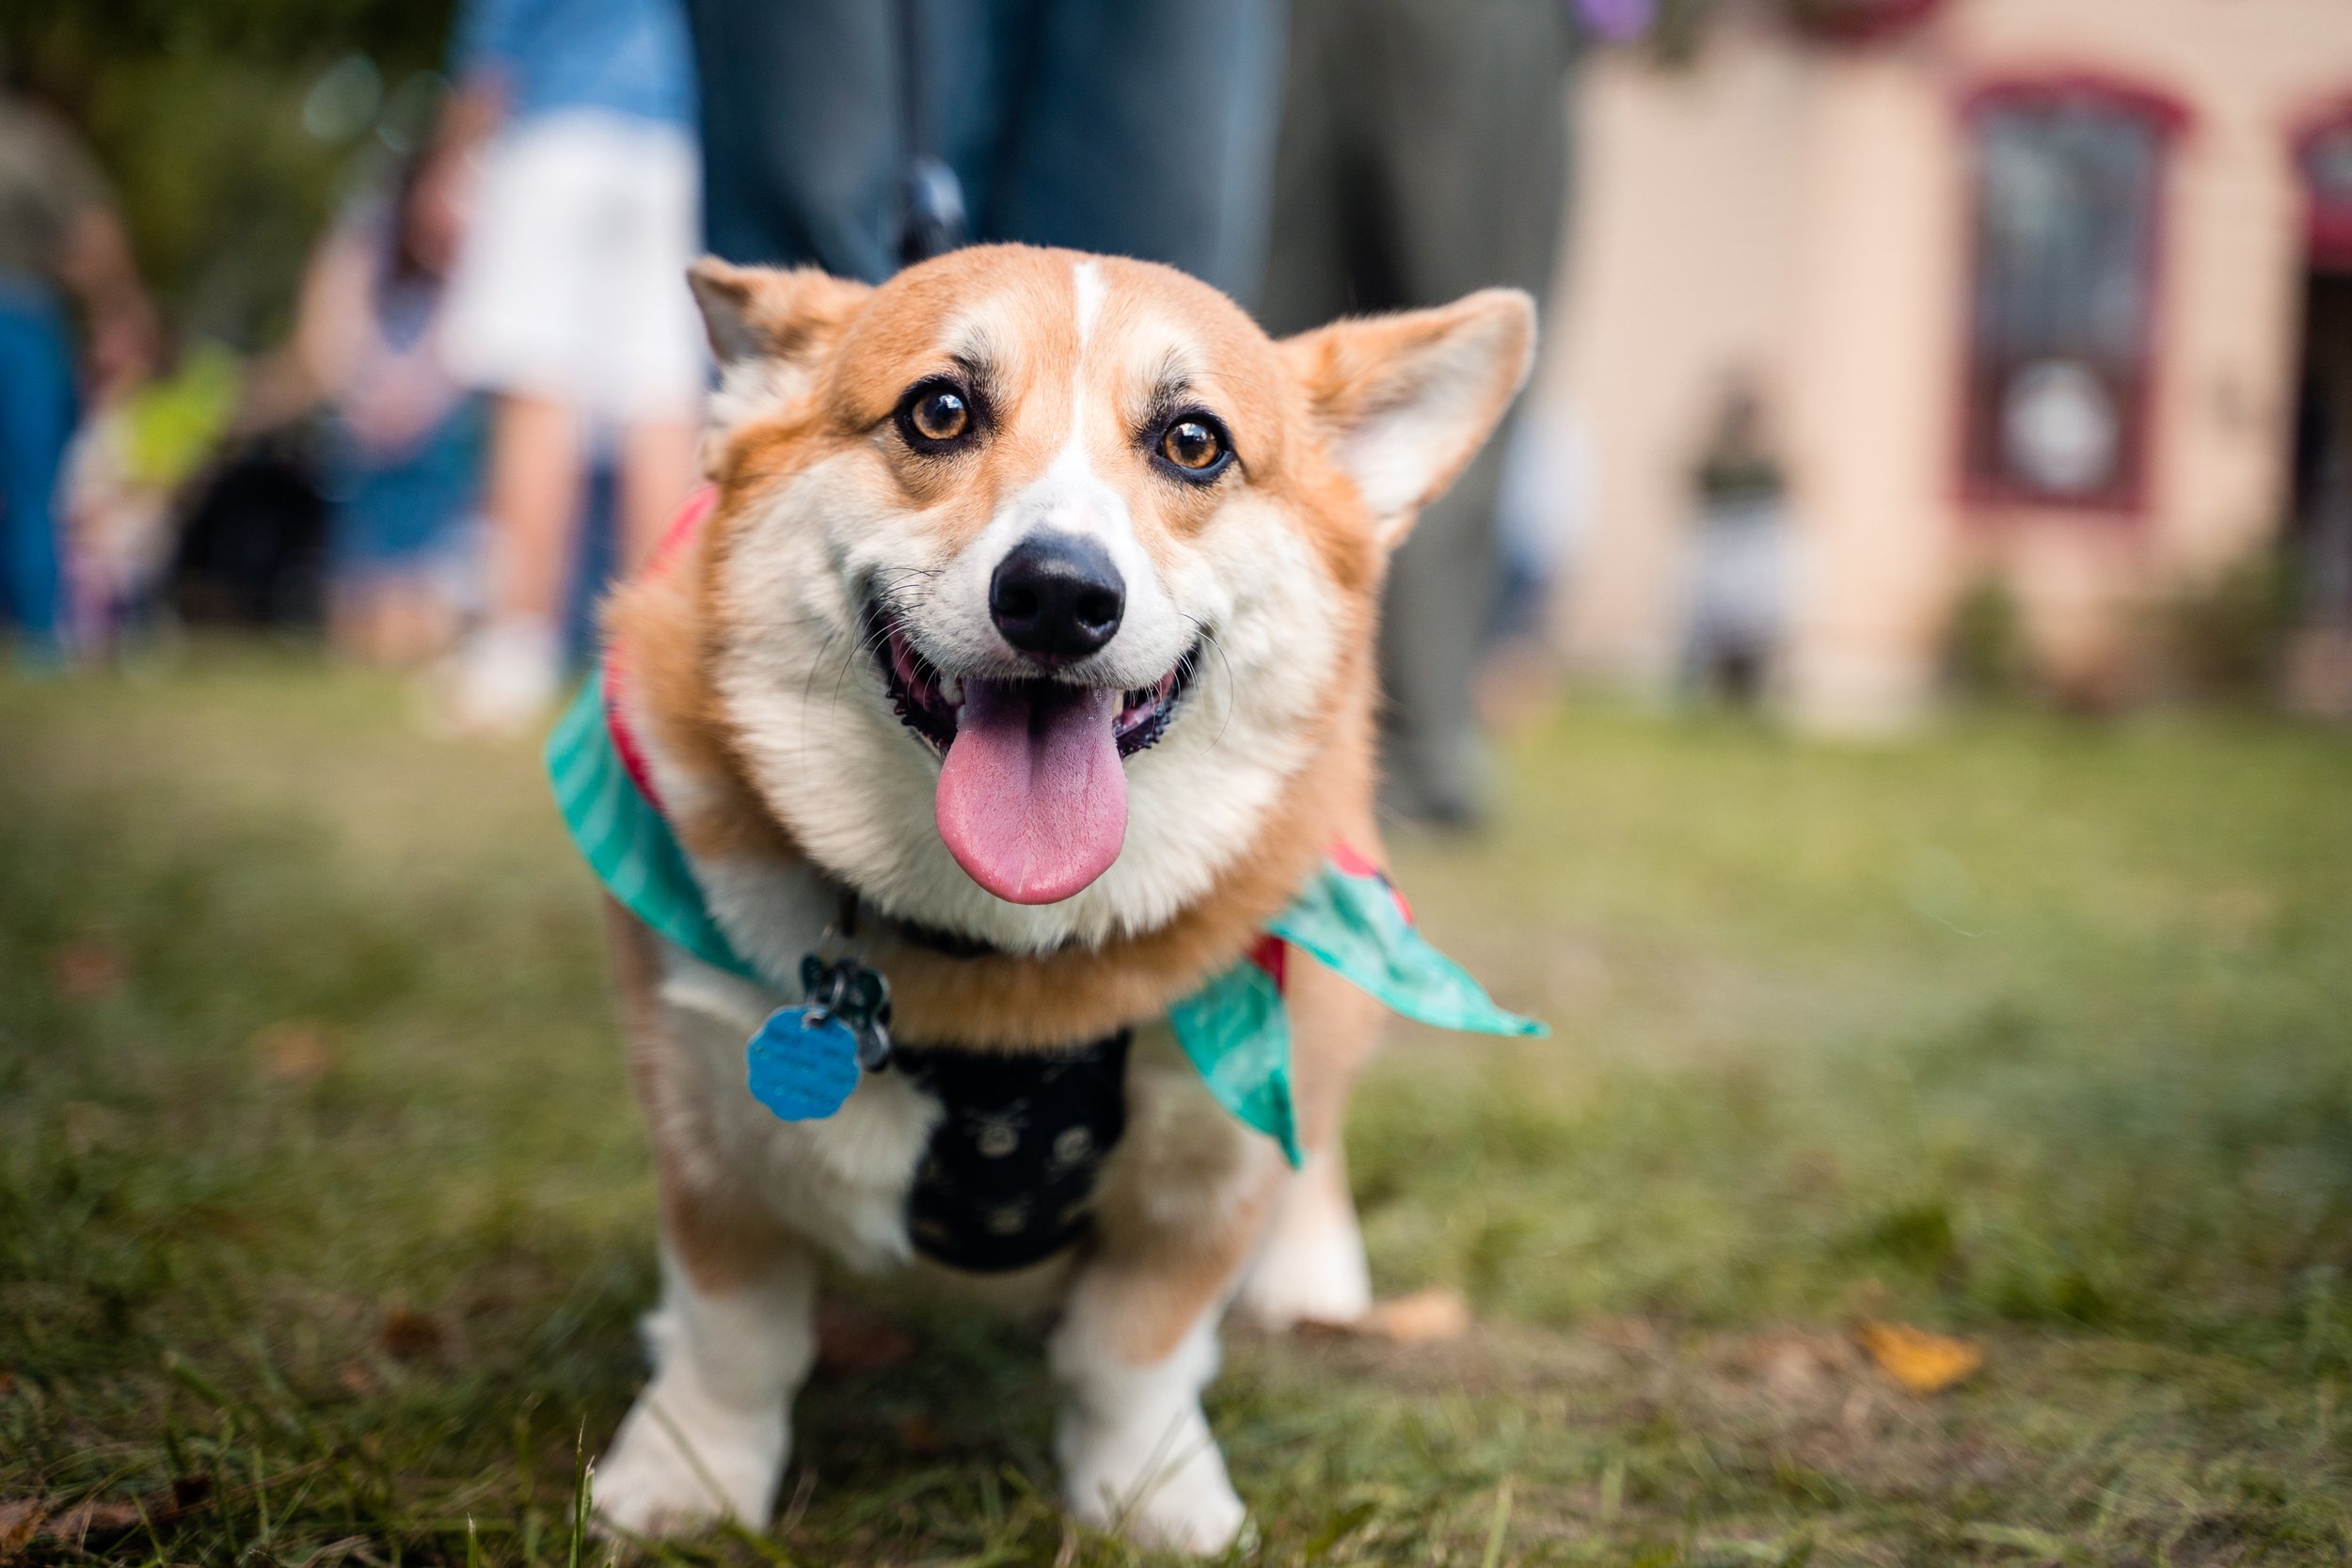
{"x":1032,"y":801}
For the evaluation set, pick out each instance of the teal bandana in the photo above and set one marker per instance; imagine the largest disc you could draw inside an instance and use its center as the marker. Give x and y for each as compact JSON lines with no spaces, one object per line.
{"x":1235,"y":1029}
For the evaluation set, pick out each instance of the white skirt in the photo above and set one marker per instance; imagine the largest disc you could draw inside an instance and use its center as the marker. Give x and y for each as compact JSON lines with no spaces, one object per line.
{"x":571,"y":283}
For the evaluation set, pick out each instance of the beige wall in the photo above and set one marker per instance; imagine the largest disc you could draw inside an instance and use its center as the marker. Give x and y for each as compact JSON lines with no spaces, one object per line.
{"x":1681,"y":267}
{"x":1873,"y":407}
{"x":1803,"y":212}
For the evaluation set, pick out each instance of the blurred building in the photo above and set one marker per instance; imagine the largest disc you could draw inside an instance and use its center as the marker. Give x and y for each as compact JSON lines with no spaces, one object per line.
{"x":2057,"y":291}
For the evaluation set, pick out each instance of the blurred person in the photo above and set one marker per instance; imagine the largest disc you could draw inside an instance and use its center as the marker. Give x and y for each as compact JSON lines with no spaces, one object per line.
{"x":250,"y":547}
{"x":2318,"y":673}
{"x":1425,"y":154}
{"x":404,"y":469}
{"x":1740,"y":590}
{"x":857,"y":134}
{"x":569,"y":303}
{"x":1542,"y":505}
{"x":59,"y":234}
{"x":128,"y":473}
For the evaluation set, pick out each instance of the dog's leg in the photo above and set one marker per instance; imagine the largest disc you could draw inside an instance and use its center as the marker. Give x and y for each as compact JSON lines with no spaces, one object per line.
{"x":1137,"y":1453}
{"x":734,"y":1332}
{"x":1137,"y":1339}
{"x":708,"y":1437}
{"x":1312,"y":1268}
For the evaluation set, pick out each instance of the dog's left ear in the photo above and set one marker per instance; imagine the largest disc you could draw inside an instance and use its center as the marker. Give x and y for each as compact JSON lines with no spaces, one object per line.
{"x":770,"y":328}
{"x":1406,"y":400}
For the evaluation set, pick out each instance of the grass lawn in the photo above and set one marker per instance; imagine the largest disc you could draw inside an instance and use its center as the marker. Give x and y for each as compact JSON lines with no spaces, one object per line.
{"x":319,"y":1179}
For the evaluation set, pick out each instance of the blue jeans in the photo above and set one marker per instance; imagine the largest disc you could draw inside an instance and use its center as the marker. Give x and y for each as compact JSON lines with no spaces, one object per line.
{"x":1119,"y":126}
{"x":37,"y":413}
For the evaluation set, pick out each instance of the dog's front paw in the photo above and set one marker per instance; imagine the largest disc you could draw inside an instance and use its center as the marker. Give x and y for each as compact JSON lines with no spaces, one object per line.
{"x":679,"y":1465}
{"x":1165,"y":1489}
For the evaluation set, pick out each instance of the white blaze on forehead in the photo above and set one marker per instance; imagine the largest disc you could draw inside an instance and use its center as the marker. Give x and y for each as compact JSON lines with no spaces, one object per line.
{"x":1091,"y":290}
{"x":1071,"y":496}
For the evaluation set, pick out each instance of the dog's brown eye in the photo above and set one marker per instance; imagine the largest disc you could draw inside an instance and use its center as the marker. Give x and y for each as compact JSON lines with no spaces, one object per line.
{"x":940,"y":413}
{"x":938,"y":416}
{"x":1190,"y":444}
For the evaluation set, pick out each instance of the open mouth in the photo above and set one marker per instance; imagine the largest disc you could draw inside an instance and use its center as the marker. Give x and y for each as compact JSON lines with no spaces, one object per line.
{"x":1032,"y":797}
{"x":930,"y":703}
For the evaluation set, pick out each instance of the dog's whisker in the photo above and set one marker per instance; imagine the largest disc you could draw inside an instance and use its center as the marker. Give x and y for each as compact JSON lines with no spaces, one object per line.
{"x":870,"y":640}
{"x":807,"y":688}
{"x":1209,"y":639}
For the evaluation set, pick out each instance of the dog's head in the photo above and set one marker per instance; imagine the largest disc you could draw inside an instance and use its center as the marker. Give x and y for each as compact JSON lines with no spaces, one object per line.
{"x":1038,"y":576}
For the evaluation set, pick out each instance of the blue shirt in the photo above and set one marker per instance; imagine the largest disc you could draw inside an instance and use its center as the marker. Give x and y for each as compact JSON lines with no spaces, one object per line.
{"x":628,"y":57}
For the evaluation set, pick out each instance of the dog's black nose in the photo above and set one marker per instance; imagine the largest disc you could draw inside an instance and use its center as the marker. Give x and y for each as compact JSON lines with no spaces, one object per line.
{"x":1057,"y":598}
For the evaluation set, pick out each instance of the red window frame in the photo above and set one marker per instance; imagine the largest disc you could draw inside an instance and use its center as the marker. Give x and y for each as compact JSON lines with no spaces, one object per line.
{"x":1861,"y":20}
{"x":2328,"y":223}
{"x":1986,"y":478}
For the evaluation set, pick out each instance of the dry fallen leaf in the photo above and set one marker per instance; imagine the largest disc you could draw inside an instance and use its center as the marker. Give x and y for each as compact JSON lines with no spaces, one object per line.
{"x":18,"y":1518}
{"x":23,"y":1519}
{"x":1922,"y":1362}
{"x":292,"y":1052}
{"x":409,"y":1334}
{"x":1419,"y":1318}
{"x":85,"y":1519}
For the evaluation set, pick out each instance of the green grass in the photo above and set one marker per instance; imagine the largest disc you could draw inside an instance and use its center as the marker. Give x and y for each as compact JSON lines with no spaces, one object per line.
{"x":319,"y":1177}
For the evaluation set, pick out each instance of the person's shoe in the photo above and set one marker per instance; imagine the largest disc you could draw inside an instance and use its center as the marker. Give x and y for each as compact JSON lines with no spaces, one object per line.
{"x":504,"y":680}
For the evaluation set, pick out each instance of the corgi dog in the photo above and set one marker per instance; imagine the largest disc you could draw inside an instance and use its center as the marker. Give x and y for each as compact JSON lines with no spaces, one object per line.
{"x":1024,"y":654}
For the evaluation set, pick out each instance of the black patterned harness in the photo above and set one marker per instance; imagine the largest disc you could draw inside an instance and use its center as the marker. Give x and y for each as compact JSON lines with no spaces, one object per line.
{"x":1009,"y":1177}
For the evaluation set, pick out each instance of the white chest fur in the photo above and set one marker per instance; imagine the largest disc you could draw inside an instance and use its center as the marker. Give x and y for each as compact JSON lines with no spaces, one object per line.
{"x":841,"y":1181}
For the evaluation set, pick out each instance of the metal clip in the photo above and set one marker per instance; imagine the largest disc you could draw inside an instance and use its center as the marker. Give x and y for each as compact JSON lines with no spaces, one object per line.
{"x":859,"y":997}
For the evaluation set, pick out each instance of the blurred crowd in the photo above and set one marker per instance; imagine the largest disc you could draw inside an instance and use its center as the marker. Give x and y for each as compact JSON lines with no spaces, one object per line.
{"x":488,"y":398}
{"x":480,"y":400}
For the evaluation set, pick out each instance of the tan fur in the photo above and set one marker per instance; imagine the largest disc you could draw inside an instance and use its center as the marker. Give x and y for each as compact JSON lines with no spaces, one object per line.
{"x":722,"y":1235}
{"x":1354,"y":371}
{"x":1153,"y":1284}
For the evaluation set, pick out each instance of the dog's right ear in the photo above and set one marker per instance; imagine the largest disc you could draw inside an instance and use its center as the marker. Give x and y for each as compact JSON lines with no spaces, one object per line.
{"x":768,"y":328}
{"x":1406,"y":400}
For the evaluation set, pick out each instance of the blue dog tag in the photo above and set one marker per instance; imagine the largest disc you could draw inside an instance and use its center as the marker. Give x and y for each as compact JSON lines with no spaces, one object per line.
{"x":803,"y":1063}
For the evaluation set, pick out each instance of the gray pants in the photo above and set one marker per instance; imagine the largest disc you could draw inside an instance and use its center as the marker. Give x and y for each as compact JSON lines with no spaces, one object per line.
{"x":1424,"y":155}
{"x":1133,"y":129}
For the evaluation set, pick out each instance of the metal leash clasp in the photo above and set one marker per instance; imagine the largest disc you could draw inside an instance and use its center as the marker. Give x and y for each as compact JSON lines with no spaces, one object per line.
{"x":856,"y":996}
